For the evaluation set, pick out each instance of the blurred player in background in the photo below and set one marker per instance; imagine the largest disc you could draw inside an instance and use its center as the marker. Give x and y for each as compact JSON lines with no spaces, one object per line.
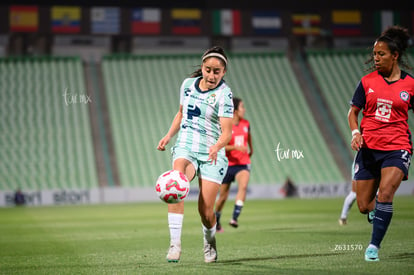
{"x":203,"y":123}
{"x":349,"y":200}
{"x":238,"y":151}
{"x":384,"y":142}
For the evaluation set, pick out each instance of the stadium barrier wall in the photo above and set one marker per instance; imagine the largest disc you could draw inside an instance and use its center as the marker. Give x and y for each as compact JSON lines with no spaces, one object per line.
{"x":112,"y":195}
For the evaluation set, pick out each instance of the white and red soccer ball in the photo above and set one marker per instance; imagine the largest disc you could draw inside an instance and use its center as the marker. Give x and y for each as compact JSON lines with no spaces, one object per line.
{"x":172,"y":186}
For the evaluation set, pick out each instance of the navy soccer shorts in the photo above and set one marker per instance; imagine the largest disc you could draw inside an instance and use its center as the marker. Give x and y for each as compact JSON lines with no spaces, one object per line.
{"x":232,"y":172}
{"x":369,"y":162}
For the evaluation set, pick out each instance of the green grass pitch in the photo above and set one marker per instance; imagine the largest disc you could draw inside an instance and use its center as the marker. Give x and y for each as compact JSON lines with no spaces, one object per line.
{"x":292,"y":236}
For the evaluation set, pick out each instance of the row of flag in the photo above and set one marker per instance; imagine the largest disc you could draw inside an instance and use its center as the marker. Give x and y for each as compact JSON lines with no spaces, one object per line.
{"x":227,"y":22}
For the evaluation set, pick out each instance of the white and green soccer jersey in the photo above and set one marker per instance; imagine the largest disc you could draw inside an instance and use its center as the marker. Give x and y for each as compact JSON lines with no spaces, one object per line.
{"x":200,"y":125}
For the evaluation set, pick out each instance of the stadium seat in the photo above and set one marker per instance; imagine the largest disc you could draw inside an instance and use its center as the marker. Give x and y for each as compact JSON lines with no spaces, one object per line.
{"x":46,"y":138}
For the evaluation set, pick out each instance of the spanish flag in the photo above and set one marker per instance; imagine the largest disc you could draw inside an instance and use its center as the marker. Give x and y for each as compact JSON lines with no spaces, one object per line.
{"x":24,"y":18}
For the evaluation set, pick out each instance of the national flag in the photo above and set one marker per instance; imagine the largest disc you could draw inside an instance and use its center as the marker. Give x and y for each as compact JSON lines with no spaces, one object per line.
{"x":346,"y":22}
{"x":226,"y":22}
{"x":386,"y":18}
{"x":306,"y":24}
{"x":65,"y":19}
{"x":105,"y":20}
{"x":24,"y":18}
{"x":146,"y":21}
{"x":266,"y":22}
{"x":186,"y":21}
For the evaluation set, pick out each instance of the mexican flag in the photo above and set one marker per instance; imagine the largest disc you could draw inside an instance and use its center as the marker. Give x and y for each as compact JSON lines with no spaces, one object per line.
{"x":226,"y":22}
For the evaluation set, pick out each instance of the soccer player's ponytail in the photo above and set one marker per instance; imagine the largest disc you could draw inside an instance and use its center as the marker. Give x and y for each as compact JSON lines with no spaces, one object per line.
{"x":397,"y":39}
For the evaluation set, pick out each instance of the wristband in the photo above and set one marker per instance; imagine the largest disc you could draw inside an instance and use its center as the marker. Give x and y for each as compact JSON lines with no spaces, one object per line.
{"x":356,"y":131}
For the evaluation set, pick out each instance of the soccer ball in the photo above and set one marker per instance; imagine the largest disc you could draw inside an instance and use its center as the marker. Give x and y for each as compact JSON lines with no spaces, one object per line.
{"x":172,"y":186}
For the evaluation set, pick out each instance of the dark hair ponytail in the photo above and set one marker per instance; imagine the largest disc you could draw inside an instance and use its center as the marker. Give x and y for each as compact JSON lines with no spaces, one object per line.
{"x":397,"y":38}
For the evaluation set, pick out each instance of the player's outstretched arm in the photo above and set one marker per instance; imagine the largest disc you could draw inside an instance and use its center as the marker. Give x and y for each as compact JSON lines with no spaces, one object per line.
{"x":175,"y":127}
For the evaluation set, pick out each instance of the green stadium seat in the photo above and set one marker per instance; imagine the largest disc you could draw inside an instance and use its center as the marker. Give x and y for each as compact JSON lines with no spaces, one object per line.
{"x":45,"y":143}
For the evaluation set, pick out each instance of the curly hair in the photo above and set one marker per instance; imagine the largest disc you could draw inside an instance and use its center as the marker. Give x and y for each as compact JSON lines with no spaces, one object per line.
{"x":397,"y":38}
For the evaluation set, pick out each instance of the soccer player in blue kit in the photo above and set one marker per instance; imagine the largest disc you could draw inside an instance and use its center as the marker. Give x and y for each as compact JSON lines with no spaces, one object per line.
{"x":204,"y":124}
{"x":384,"y":141}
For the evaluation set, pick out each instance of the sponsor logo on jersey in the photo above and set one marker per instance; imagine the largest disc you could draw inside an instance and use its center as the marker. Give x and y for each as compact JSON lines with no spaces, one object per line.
{"x":229,"y":111}
{"x":404,"y":95}
{"x":201,"y":131}
{"x":187,"y":91}
{"x":239,"y":140}
{"x":383,"y":111}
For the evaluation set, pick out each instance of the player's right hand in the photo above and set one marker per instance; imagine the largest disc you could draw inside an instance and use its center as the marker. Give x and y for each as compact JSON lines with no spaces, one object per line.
{"x":357,"y":142}
{"x":163,"y":142}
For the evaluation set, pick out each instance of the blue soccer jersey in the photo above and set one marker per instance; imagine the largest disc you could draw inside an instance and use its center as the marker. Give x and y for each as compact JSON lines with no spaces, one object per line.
{"x":200,"y":125}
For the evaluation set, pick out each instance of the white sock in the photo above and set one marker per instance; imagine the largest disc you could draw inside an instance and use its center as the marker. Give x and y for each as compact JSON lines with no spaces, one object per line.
{"x":209,"y":233}
{"x":175,"y":223}
{"x":348,"y":202}
{"x":239,"y":203}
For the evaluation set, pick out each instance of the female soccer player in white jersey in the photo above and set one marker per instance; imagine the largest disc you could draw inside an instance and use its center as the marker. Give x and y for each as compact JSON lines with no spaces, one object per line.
{"x":203,"y":123}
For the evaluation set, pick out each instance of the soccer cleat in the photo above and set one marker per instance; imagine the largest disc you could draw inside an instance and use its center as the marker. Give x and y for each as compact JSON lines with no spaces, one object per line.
{"x":234,"y":223}
{"x":342,"y":221}
{"x":370,"y":216}
{"x":174,"y":253}
{"x":371,"y":254}
{"x":210,"y":251}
